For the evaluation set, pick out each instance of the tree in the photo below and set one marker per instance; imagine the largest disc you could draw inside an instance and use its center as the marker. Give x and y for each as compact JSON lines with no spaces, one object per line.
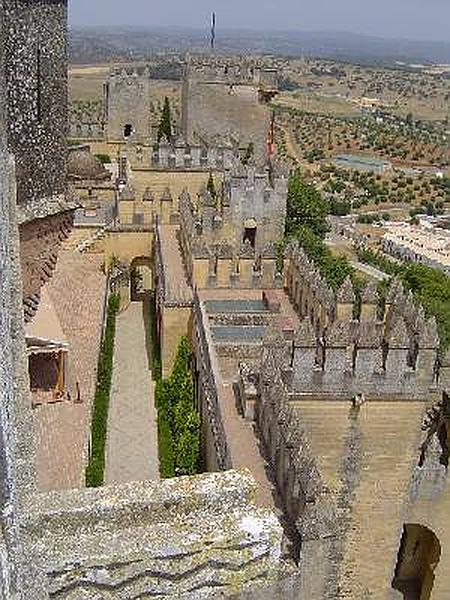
{"x":165,"y":124}
{"x":210,"y":187}
{"x":305,"y":207}
{"x":249,"y":152}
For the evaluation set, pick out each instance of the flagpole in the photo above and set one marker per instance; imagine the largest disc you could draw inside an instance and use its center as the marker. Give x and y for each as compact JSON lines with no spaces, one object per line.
{"x":213,"y":31}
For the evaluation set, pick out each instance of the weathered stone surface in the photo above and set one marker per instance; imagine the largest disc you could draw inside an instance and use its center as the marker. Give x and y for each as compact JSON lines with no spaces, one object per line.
{"x":36,"y":83}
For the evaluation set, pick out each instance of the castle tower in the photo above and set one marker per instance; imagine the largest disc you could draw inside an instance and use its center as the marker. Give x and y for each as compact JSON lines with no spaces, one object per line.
{"x":127,"y":101}
{"x":35,"y":59}
{"x":219,"y":99}
{"x":36,"y":81}
{"x":257,"y":207}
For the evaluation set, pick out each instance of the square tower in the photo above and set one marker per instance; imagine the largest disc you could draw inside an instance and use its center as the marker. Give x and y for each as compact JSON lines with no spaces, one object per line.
{"x":127,"y":102}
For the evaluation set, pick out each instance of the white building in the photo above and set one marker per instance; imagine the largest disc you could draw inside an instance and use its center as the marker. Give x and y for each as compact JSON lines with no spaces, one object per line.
{"x":424,"y":243}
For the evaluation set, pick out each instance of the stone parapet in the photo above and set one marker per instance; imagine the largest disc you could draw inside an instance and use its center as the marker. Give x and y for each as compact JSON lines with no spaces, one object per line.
{"x":178,"y":538}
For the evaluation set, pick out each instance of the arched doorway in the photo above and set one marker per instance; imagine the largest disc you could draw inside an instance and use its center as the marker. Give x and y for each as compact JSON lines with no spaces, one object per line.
{"x":141,"y":278}
{"x":250,"y":227}
{"x":417,"y":560}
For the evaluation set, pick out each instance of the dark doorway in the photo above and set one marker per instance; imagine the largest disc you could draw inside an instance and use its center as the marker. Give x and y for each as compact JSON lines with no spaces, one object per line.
{"x":127,"y":130}
{"x":250,"y":235}
{"x":417,"y":560}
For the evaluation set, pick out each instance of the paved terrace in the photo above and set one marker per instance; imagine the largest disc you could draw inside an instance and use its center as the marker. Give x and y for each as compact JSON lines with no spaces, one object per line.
{"x":77,"y":292}
{"x":242,"y":441}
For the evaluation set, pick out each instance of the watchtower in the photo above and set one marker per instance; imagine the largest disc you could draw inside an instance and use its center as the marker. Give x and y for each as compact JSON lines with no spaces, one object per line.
{"x":127,"y":102}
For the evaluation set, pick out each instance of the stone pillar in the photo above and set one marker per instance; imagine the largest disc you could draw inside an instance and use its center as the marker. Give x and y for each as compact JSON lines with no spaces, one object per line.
{"x":338,"y":368}
{"x":268,"y":270}
{"x":369,"y":358}
{"x":200,"y":272}
{"x":398,"y":377}
{"x":427,"y":354}
{"x":223,"y":272}
{"x":246,"y":272}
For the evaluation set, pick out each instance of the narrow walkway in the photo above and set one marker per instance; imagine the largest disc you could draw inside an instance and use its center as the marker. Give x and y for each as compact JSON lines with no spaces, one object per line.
{"x":132,"y":444}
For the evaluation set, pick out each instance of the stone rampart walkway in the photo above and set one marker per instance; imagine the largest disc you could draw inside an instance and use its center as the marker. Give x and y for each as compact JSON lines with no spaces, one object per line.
{"x":132,"y":443}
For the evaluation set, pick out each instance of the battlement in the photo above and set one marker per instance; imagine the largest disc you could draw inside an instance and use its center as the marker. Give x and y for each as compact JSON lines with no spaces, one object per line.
{"x":230,"y":240}
{"x":335,"y":354}
{"x":231,"y":71}
{"x":126,"y":71}
{"x":181,"y":155}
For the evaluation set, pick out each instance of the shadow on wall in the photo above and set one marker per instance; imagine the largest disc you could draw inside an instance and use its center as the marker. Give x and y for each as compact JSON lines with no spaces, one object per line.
{"x":417,"y":560}
{"x":141,"y":278}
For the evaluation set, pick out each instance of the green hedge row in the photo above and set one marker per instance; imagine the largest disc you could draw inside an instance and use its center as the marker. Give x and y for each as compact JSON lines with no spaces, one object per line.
{"x":96,"y":465}
{"x":178,"y":420}
{"x":379,"y":261}
{"x":156,"y":350}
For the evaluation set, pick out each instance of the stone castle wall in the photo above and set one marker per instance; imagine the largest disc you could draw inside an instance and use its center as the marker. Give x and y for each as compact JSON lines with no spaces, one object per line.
{"x":215,"y":449}
{"x":211,"y":111}
{"x":335,"y":354}
{"x":127,"y":102}
{"x":36,"y":80}
{"x":213,"y":233}
{"x":349,"y":477}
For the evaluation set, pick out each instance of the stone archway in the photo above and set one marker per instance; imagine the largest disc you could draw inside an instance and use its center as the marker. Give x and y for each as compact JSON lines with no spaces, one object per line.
{"x":418,"y":557}
{"x":141,"y":278}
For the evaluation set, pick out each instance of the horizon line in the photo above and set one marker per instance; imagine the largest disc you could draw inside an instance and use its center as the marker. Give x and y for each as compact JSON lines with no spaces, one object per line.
{"x":230,"y":29}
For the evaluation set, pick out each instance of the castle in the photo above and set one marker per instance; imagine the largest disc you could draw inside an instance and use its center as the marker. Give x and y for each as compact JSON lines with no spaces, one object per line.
{"x":324,"y":417}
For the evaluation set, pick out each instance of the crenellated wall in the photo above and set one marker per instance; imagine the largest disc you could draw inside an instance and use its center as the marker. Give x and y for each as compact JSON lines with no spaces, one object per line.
{"x":350,"y":476}
{"x":214,"y":232}
{"x":335,"y":354}
{"x":180,"y":155}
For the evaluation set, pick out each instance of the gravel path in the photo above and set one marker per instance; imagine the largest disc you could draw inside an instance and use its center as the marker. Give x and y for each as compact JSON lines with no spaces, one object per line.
{"x":132,"y":444}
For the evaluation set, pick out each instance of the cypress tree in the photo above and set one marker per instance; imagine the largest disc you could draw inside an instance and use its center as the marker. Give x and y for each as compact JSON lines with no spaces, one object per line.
{"x":165,"y":125}
{"x":210,"y":187}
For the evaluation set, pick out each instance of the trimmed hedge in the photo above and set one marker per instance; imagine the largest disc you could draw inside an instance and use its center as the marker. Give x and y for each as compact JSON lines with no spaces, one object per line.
{"x":105,"y":159}
{"x":178,"y":420}
{"x":96,"y":466}
{"x":156,"y":350}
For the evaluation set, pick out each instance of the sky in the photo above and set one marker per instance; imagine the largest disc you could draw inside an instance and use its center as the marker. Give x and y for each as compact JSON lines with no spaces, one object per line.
{"x":409,"y":19}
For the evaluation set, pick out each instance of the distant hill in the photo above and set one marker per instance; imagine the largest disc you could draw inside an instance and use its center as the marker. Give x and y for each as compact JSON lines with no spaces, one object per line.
{"x":90,"y":45}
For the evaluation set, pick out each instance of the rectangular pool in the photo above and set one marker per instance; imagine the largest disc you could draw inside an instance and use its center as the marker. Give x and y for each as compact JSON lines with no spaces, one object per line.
{"x":244,"y":333}
{"x":235,"y":306}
